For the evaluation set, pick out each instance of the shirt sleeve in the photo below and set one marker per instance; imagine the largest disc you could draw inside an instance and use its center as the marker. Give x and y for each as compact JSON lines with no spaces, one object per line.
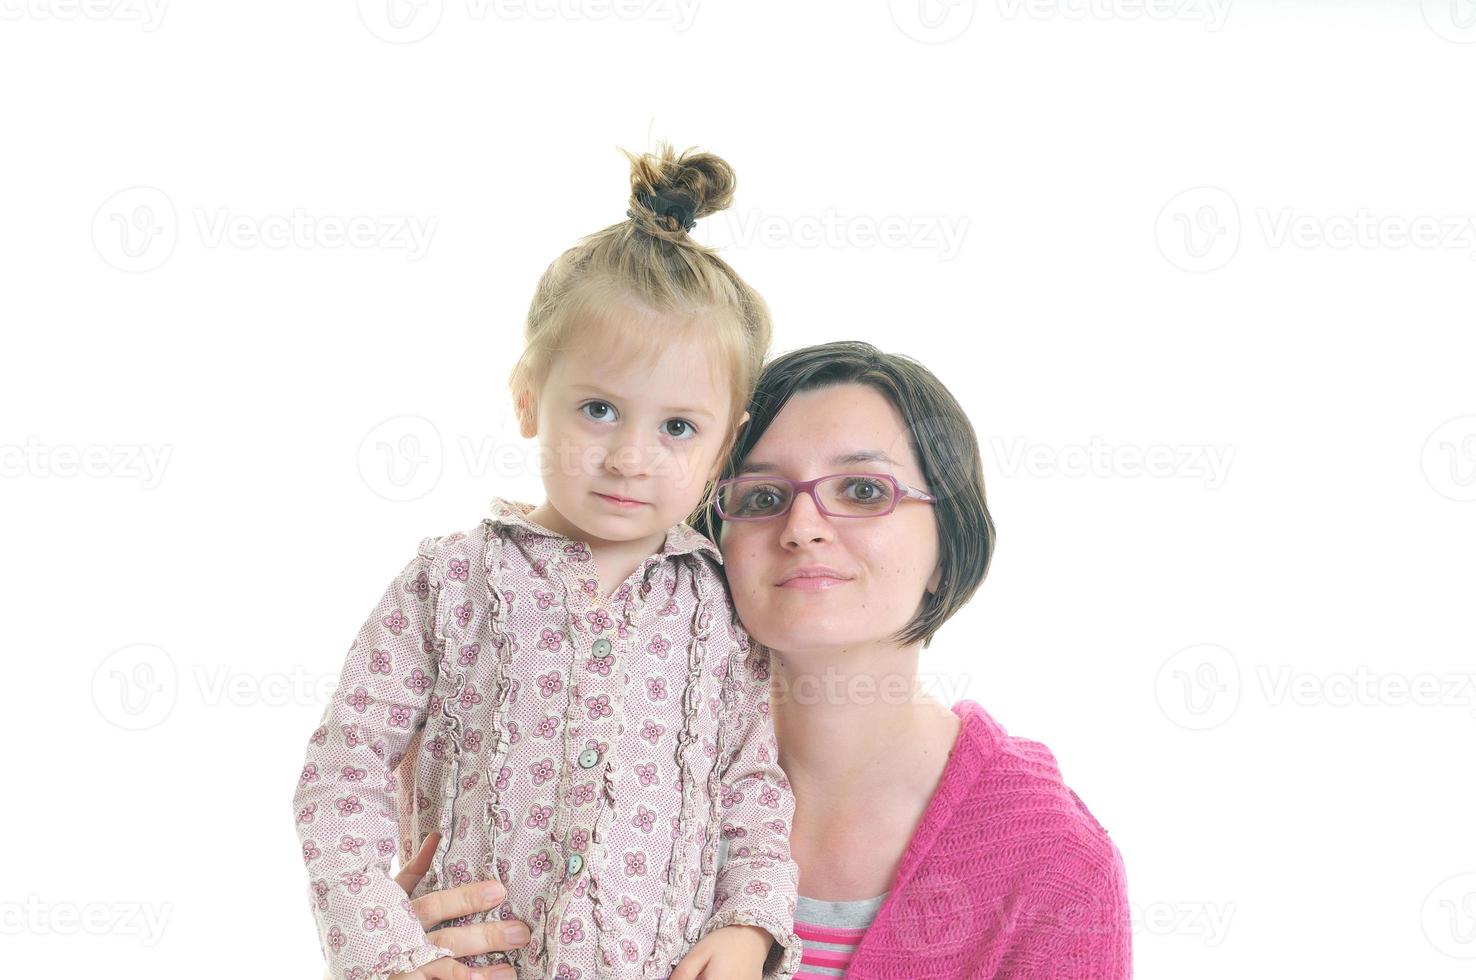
{"x":345,"y":799}
{"x":1076,"y":922}
{"x":759,"y":882}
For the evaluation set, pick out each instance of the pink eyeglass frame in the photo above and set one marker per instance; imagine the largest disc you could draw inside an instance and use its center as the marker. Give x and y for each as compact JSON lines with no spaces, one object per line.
{"x":797,"y":487}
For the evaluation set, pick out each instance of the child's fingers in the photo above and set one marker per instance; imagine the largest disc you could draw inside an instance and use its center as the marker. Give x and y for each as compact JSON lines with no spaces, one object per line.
{"x":413,"y":871}
{"x":690,"y":968}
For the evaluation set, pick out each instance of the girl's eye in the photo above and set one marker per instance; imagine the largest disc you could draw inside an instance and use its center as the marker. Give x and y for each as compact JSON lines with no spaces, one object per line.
{"x":678,"y":428}
{"x":598,"y":411}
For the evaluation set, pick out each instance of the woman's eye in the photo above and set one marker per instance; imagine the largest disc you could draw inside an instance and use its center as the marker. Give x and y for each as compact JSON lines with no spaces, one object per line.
{"x":864,"y":491}
{"x":761,"y":500}
{"x":598,"y":411}
{"x":678,"y":428}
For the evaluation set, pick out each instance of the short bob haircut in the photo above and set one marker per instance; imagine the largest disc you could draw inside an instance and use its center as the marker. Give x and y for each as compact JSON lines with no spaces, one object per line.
{"x":942,"y":440}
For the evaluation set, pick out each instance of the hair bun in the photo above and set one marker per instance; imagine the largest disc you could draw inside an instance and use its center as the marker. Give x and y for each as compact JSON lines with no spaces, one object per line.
{"x":668,"y":193}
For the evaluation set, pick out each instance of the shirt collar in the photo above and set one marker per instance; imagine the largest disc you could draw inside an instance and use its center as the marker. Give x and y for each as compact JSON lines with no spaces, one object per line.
{"x":681,"y":539}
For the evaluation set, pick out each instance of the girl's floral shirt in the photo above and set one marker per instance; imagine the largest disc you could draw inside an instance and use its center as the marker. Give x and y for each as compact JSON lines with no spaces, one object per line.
{"x":589,"y":752}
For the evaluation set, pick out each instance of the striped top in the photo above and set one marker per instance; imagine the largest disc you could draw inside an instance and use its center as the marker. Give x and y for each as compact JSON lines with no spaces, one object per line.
{"x":831,"y":932}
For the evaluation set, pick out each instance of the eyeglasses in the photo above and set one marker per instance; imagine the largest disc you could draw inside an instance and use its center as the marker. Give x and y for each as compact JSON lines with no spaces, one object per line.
{"x":759,"y":498}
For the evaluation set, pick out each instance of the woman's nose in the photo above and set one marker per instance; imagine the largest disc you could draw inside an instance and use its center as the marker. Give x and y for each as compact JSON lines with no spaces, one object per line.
{"x":804,"y":524}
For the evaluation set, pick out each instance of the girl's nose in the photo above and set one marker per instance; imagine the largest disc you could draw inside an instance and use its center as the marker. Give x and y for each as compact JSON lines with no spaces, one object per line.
{"x":629,"y":457}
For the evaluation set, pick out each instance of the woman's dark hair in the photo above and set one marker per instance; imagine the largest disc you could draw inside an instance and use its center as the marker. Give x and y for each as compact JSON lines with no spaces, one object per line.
{"x":940,"y":435}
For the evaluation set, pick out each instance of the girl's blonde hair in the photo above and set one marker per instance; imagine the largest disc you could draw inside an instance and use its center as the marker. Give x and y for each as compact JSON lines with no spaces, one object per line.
{"x":647,"y":280}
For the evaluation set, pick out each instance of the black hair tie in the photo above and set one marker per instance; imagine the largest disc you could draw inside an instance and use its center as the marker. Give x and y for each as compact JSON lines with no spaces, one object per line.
{"x":667,"y":207}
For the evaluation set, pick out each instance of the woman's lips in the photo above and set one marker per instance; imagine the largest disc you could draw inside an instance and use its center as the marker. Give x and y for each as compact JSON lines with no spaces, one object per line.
{"x":812,"y":578}
{"x":623,"y":502}
{"x":812,"y":584}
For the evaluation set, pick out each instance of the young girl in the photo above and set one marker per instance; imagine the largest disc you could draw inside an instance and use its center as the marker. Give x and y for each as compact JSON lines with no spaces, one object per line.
{"x":563,"y":691}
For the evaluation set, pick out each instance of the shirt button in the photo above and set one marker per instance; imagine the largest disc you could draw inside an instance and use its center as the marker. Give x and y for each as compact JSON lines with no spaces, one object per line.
{"x":601,"y":648}
{"x":588,"y":759}
{"x":576,"y":864}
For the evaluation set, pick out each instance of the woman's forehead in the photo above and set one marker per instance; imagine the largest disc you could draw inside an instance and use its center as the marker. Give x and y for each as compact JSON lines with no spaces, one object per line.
{"x":845,"y":427}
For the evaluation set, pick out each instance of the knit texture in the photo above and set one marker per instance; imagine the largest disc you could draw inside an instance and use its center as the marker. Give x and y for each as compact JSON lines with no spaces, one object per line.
{"x":1008,"y":875}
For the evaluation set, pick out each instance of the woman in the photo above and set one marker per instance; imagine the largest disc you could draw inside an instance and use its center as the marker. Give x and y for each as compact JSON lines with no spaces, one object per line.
{"x":930,"y":842}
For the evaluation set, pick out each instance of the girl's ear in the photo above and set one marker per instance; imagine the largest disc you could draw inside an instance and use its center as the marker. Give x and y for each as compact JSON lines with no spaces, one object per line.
{"x":936,"y":580}
{"x":527,"y":411}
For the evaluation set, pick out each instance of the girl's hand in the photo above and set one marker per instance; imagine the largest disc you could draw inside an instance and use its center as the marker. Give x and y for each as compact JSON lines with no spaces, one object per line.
{"x":729,"y":953}
{"x":435,"y":907}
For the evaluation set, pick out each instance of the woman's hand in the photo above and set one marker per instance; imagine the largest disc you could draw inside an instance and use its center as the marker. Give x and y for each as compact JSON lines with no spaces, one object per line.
{"x":436,"y":907}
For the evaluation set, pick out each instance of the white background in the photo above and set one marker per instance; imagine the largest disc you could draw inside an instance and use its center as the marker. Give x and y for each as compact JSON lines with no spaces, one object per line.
{"x":1183,"y":230}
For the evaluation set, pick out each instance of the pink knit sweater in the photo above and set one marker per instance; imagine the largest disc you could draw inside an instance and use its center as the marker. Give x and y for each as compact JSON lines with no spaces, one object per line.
{"x":1007,"y":877}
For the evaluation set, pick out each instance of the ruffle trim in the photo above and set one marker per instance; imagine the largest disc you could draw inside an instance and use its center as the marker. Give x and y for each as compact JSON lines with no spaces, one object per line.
{"x":413,"y":960}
